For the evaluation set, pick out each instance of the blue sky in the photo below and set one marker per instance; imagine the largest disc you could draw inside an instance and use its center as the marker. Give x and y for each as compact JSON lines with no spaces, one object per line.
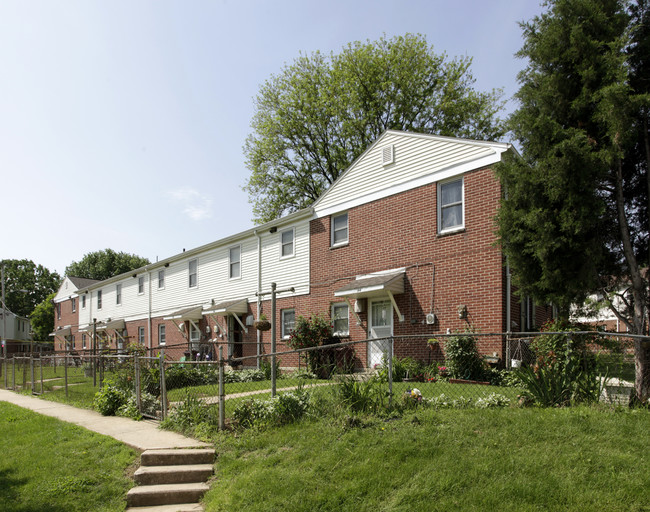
{"x":122,"y":122}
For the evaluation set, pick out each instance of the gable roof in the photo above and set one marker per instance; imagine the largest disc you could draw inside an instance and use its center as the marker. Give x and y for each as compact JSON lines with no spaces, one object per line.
{"x":82,"y":282}
{"x":414,"y":159}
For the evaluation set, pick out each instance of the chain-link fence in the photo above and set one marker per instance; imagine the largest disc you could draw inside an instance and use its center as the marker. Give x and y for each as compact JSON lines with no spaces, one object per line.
{"x":459,"y":368}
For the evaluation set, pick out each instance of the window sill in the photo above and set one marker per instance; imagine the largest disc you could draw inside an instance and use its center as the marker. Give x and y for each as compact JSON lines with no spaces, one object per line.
{"x":450,"y":232}
{"x":338,"y":246}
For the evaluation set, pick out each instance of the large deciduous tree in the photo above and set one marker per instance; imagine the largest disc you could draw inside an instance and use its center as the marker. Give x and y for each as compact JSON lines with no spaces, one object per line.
{"x":27,"y":284}
{"x":320,"y":113}
{"x":575,"y":217}
{"x":104,"y":264}
{"x":42,"y":319}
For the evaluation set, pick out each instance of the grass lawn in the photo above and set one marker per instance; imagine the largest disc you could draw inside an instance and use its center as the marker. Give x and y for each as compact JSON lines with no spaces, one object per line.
{"x":51,"y":465}
{"x":453,"y":459}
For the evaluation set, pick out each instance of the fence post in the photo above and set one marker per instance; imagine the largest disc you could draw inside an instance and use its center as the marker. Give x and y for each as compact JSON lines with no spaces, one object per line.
{"x":222,"y":395}
{"x":136,"y":378}
{"x":390,"y":371}
{"x":163,"y":386}
{"x":508,"y":358}
{"x":13,"y":376}
{"x":41,"y":361}
{"x":31,"y":371}
{"x":4,"y":363}
{"x":24,"y":372}
{"x":65,"y":372}
{"x":273,"y":335}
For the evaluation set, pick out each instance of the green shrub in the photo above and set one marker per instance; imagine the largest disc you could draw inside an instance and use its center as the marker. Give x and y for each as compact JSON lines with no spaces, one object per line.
{"x":362,"y":396}
{"x":462,"y":358}
{"x":109,"y":399}
{"x":282,"y":409}
{"x":189,"y":413}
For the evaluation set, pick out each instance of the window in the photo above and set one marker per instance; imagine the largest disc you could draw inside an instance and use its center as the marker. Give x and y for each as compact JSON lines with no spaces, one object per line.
{"x":58,"y":310}
{"x":286,"y":243}
{"x":141,"y":335}
{"x":288,"y":321}
{"x":73,"y":302}
{"x":161,"y":279}
{"x":340,"y":229}
{"x":140,"y":285}
{"x":99,"y":299}
{"x":118,"y":294}
{"x":193,"y":266}
{"x":195,"y":336}
{"x":83,"y":302}
{"x":83,"y":341}
{"x":235,"y":262}
{"x":527,"y":314}
{"x":450,"y":206}
{"x":162,"y":338}
{"x":340,"y":321}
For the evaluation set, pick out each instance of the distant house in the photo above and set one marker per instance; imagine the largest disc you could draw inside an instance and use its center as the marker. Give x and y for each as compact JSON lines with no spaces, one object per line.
{"x":402,"y":244}
{"x":16,"y":332}
{"x":67,"y":303}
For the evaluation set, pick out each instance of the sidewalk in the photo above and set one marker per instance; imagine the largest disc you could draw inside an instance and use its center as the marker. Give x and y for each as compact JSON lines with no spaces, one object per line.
{"x":142,"y":435}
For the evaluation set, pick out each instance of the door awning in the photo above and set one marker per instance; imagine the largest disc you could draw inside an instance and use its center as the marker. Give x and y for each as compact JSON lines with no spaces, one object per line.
{"x":63,"y":331}
{"x":195,"y":313}
{"x":116,"y":324}
{"x":230,"y":307}
{"x":373,"y":286}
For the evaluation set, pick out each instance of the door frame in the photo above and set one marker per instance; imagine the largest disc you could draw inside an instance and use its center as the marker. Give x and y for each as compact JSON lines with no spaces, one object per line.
{"x":376,"y":345}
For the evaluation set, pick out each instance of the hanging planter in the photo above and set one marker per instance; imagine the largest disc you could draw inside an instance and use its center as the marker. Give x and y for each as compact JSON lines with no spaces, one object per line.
{"x":262,"y":324}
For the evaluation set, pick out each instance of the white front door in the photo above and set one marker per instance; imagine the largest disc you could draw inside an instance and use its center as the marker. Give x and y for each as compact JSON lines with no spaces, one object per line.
{"x":381,"y":326}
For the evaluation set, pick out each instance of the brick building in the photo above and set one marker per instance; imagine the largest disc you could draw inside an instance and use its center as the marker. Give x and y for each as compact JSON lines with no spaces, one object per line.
{"x":403,"y":243}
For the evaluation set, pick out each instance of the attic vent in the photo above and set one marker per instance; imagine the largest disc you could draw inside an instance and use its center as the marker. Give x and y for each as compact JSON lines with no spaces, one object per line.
{"x":388,"y":155}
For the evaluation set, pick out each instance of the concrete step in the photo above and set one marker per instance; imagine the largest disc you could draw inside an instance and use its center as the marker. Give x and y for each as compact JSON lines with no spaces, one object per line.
{"x":165,"y":494}
{"x":180,"y":507}
{"x":155,"y":475}
{"x":177,"y":457}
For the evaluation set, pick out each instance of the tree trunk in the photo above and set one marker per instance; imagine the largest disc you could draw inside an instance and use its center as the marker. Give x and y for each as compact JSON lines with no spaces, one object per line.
{"x":641,"y":349}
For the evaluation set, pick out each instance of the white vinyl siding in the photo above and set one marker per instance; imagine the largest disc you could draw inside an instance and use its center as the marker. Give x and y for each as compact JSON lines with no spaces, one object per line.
{"x":451,"y":214}
{"x":339,"y":229}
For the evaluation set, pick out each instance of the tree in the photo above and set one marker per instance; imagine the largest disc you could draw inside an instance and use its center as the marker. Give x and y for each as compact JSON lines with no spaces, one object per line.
{"x":104,"y":264}
{"x":574,"y":219}
{"x":316,"y":116}
{"x":27,"y":284}
{"x":42,"y":319}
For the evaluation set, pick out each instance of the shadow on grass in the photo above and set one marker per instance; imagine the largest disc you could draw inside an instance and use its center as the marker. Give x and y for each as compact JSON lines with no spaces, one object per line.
{"x":9,"y":495}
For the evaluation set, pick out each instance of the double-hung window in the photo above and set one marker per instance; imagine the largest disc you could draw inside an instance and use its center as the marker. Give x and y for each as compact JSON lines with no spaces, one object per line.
{"x":286,"y":243}
{"x":235,"y":262}
{"x":288,"y":321}
{"x":140,"y":285}
{"x":83,"y":302}
{"x":162,"y":335}
{"x":118,"y":294}
{"x":73,"y":301}
{"x":450,"y":206}
{"x":161,"y":279}
{"x":193,"y":273}
{"x":339,"y":229}
{"x":340,"y":319}
{"x":99,"y":299}
{"x":141,"y":335}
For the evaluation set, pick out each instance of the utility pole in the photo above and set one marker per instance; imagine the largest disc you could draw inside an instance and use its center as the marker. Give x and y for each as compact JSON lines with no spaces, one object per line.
{"x":4,"y":316}
{"x":274,"y":291}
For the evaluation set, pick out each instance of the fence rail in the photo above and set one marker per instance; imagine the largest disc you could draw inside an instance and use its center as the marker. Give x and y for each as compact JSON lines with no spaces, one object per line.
{"x":404,"y":365}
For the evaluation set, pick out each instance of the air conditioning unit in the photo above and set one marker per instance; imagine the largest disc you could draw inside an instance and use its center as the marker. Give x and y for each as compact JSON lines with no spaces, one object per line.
{"x":431,"y":319}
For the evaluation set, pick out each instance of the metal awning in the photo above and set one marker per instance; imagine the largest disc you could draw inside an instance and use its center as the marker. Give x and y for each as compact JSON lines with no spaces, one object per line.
{"x":195,"y":313}
{"x":380,"y":285}
{"x":374,"y":286}
{"x":63,"y":331}
{"x":116,"y":324}
{"x":230,"y":307}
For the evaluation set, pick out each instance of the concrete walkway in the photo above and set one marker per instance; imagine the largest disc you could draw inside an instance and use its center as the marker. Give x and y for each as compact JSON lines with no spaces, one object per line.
{"x":141,"y":435}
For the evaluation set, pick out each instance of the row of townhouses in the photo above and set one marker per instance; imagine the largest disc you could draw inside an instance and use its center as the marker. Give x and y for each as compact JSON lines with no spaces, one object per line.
{"x":402,"y":244}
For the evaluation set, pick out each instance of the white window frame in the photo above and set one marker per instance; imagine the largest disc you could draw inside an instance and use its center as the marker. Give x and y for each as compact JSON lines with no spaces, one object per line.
{"x":333,"y":232}
{"x":140,"y":285}
{"x":73,"y":302}
{"x":83,"y":342}
{"x":441,"y":207}
{"x":83,"y":301}
{"x":335,"y":306}
{"x":118,"y":294}
{"x":141,"y":339}
{"x":286,"y":330}
{"x":292,"y":243}
{"x":99,"y":299}
{"x":162,"y":335}
{"x":161,"y":279}
{"x":194,"y":262}
{"x":58,"y":311}
{"x":232,"y":262}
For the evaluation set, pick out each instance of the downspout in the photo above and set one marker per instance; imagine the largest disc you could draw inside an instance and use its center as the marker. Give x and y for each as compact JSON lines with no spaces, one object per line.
{"x":259,"y":290}
{"x":149,"y":314}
